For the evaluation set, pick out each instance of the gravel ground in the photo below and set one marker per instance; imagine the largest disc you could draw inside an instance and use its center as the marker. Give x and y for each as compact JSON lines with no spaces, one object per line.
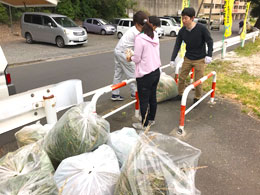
{"x":9,"y":35}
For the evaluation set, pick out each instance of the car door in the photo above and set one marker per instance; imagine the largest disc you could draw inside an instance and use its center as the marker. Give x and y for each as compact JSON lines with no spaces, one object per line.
{"x":89,"y":25}
{"x":36,"y":28}
{"x":96,"y":26}
{"x":126,"y":25}
{"x":49,"y":30}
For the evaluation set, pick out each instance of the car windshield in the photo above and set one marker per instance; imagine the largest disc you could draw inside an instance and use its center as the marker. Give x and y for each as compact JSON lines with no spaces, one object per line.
{"x":173,"y":20}
{"x":65,"y":21}
{"x":103,"y":22}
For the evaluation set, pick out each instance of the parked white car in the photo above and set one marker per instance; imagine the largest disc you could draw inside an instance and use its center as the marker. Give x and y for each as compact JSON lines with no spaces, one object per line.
{"x":123,"y":25}
{"x":169,"y":27}
{"x":6,"y":86}
{"x":126,"y":23}
{"x":160,"y":32}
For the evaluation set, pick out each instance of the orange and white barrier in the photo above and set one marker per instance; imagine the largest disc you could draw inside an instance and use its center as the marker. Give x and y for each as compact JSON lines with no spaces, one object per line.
{"x":110,"y":88}
{"x":192,"y":75}
{"x":185,"y":95}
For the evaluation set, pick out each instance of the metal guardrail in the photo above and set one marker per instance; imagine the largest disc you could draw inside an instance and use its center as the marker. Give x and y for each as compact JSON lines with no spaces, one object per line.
{"x":32,"y":105}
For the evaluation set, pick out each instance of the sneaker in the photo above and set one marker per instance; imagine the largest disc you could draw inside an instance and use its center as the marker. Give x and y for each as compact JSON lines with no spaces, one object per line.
{"x":151,"y":122}
{"x":117,"y":98}
{"x":195,"y":100}
{"x":177,"y":98}
{"x":138,"y":126}
{"x":133,"y":96}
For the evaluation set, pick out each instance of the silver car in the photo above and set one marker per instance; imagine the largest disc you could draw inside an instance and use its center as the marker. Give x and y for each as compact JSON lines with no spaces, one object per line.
{"x":98,"y":25}
{"x":51,"y":28}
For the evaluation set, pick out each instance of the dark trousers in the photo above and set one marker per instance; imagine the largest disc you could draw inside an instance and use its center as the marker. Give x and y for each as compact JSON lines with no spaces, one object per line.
{"x":146,"y":87}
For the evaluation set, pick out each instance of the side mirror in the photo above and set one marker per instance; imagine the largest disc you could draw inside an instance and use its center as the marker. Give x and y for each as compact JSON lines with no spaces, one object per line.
{"x":99,"y":24}
{"x":49,"y":24}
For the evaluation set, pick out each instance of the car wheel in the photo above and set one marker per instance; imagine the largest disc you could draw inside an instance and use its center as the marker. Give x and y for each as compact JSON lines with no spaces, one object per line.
{"x":103,"y":32}
{"x":28,"y":38}
{"x":173,"y":34}
{"x":119,"y":35}
{"x":60,"y":42}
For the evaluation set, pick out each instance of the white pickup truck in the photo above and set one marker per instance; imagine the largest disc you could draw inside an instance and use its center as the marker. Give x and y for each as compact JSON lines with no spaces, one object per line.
{"x":6,"y":86}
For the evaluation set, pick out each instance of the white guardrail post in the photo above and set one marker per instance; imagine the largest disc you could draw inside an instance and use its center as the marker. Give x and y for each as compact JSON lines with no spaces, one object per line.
{"x":20,"y":109}
{"x":185,"y":96}
{"x":224,"y":50}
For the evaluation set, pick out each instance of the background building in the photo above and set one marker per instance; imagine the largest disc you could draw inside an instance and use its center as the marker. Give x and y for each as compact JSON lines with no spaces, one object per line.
{"x":173,"y":7}
{"x":163,"y":7}
{"x":238,"y":12}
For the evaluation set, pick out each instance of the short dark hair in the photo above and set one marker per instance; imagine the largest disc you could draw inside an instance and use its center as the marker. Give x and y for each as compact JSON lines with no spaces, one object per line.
{"x":188,"y":11}
{"x":139,"y":18}
{"x":155,"y":21}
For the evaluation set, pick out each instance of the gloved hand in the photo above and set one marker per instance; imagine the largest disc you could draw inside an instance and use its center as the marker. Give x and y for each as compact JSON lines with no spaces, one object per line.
{"x":208,"y":60}
{"x":172,"y":64}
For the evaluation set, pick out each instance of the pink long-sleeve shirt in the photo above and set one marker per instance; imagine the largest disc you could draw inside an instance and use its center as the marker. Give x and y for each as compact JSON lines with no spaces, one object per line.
{"x":146,"y":54}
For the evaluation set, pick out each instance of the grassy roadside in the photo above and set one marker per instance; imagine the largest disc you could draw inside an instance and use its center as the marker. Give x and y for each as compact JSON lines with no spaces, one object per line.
{"x":238,"y":85}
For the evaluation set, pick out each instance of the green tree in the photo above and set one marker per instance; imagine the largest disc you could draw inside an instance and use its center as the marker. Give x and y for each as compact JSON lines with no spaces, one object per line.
{"x":255,"y":12}
{"x":65,"y":7}
{"x":3,"y":14}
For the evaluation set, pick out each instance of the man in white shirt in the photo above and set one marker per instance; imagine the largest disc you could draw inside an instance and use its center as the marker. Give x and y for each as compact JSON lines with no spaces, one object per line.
{"x":121,"y":65}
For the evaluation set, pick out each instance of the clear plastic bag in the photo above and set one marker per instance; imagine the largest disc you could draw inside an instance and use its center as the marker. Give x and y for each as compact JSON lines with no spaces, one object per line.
{"x":32,"y":133}
{"x":28,"y":169}
{"x":93,"y":173}
{"x":33,"y":183}
{"x":122,"y":141}
{"x":159,"y":164}
{"x":167,"y":88}
{"x":78,"y":131}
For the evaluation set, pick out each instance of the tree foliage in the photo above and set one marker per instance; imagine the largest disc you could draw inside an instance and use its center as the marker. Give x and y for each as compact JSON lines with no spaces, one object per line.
{"x":255,"y":12}
{"x":94,"y":8}
{"x":3,"y":14}
{"x":76,"y":9}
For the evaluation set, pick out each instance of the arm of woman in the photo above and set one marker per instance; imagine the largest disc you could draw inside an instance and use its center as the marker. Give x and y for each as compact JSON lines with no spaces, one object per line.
{"x":138,"y":50}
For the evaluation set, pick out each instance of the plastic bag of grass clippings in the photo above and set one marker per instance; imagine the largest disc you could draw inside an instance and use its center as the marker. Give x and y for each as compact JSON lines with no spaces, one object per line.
{"x":78,"y":131}
{"x":167,"y":88}
{"x":32,"y":133}
{"x":93,"y":173}
{"x":159,"y":164}
{"x":28,"y":170}
{"x":122,"y":141}
{"x":33,"y":183}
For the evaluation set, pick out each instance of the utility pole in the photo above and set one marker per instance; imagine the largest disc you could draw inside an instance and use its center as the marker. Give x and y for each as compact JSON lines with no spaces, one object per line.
{"x":11,"y":19}
{"x":202,"y":1}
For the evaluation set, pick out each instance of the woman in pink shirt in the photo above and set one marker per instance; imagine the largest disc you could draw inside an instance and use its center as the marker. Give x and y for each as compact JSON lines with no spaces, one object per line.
{"x":147,"y":59}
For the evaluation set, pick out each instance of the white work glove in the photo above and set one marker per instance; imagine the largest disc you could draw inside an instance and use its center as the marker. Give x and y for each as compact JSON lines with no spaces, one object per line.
{"x":208,"y":60}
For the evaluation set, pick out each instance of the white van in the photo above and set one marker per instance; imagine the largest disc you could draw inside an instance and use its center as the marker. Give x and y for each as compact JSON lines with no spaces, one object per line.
{"x":51,"y":28}
{"x":169,"y":27}
{"x":6,"y":86}
{"x":126,"y":23}
{"x":123,"y":25}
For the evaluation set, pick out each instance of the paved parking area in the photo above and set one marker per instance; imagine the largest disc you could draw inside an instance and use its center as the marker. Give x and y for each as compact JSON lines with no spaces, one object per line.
{"x":19,"y":52}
